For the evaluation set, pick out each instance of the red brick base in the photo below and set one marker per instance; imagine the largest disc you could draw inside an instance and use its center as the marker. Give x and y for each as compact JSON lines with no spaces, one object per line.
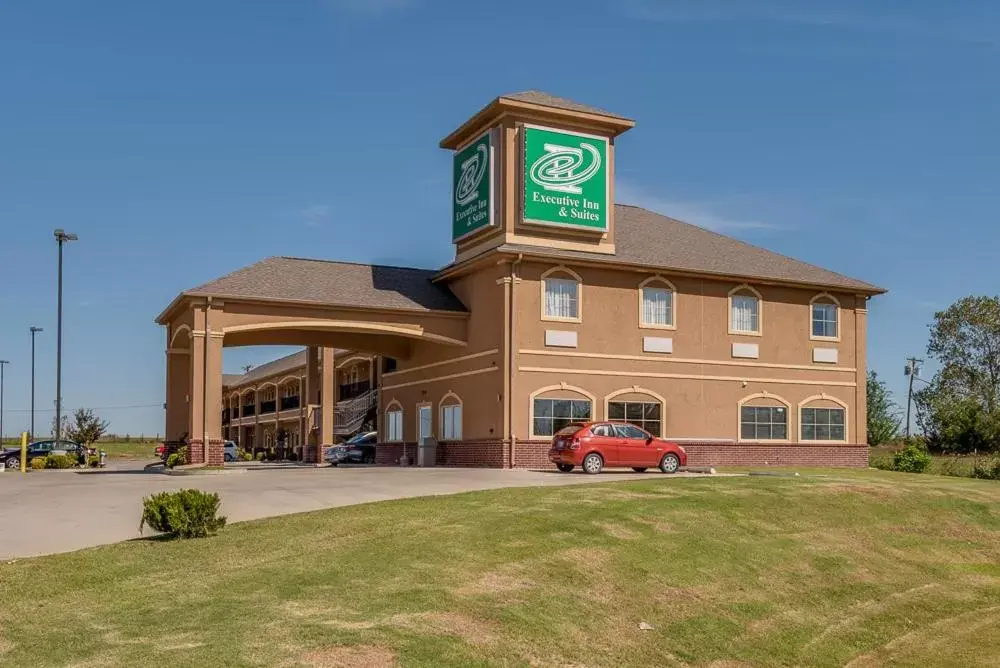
{"x":215,"y":452}
{"x":534,"y":454}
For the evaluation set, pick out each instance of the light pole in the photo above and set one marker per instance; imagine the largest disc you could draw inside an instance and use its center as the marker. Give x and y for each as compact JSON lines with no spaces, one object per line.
{"x":3,"y":363}
{"x":912,"y":370}
{"x":61,"y":238}
{"x":34,"y":330}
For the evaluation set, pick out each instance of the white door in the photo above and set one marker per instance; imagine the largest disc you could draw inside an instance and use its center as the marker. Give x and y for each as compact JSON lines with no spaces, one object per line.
{"x":424,"y":416}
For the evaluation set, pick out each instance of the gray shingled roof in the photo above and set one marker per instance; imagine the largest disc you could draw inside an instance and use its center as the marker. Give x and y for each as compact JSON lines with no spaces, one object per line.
{"x":646,"y":238}
{"x":544,"y":99}
{"x":280,"y":365}
{"x":336,"y":283}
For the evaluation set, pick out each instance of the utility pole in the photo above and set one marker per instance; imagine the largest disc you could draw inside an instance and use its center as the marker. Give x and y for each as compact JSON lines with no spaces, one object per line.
{"x":61,"y":238}
{"x":912,"y":370}
{"x":34,"y":331}
{"x":3,"y":363}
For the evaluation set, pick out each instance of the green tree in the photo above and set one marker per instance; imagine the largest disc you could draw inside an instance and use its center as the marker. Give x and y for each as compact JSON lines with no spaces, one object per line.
{"x":883,"y":413}
{"x":960,"y":410}
{"x":86,"y":428}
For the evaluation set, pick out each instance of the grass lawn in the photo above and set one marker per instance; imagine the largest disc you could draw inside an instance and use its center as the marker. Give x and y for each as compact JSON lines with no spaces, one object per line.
{"x":867,"y":568}
{"x":130,"y":450}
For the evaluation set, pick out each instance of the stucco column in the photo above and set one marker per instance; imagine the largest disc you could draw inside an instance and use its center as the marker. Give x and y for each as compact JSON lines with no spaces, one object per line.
{"x":213,"y":399}
{"x":311,"y":437}
{"x":196,"y":414}
{"x":328,"y":398}
{"x":178,"y":388}
{"x":861,"y":364}
{"x":258,"y":428}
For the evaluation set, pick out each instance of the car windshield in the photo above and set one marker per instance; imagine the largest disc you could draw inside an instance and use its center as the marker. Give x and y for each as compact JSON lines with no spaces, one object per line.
{"x":357,"y":438}
{"x":569,"y":430}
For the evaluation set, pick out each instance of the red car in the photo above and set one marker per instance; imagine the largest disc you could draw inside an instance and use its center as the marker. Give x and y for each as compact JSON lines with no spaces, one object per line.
{"x":594,"y":445}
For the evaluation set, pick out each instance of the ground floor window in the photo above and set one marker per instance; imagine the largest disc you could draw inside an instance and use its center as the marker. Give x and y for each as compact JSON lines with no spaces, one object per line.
{"x":394,"y":425}
{"x":551,"y":415}
{"x":763,"y":423}
{"x":823,"y":424}
{"x":643,"y":414}
{"x":451,"y":422}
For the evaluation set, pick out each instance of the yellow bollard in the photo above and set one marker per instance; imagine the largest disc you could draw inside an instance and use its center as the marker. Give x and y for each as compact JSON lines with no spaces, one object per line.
{"x":24,"y":452}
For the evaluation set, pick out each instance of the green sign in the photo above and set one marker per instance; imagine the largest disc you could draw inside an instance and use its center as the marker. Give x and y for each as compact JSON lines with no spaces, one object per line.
{"x":565,"y":179}
{"x":472,"y":188}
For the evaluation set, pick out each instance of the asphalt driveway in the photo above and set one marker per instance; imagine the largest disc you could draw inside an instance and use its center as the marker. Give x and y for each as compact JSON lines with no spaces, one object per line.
{"x":60,"y":511}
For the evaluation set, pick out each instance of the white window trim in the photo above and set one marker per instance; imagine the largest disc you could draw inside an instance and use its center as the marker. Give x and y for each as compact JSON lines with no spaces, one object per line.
{"x":825,"y":397}
{"x":790,"y":427}
{"x":532,"y":436}
{"x":649,"y":394}
{"x":393,"y":407}
{"x":448,"y":400}
{"x":760,"y":310}
{"x":562,"y":271}
{"x":825,"y":297}
{"x":658,"y":281}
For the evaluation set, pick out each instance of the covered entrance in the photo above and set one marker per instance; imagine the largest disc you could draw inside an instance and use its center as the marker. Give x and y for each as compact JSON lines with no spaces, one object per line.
{"x":324,"y":306}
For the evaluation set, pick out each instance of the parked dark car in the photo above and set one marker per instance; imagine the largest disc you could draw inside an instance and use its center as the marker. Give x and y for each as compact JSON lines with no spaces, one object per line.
{"x":12,"y":456}
{"x":596,"y":445}
{"x":359,"y":449}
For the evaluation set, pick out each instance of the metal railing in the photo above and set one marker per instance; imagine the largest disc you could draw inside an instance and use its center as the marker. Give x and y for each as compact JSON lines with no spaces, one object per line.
{"x":349,"y":415}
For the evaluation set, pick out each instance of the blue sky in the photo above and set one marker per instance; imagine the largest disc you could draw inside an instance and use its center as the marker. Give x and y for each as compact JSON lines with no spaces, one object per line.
{"x":860,"y":136}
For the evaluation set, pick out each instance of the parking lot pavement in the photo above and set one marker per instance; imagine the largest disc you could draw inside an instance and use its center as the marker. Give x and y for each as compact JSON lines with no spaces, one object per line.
{"x":60,"y":511}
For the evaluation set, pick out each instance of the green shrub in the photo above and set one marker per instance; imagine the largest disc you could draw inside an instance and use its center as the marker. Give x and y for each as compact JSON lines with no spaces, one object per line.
{"x":247,"y":457}
{"x":911,"y":459}
{"x":987,"y":469}
{"x":188,"y":513}
{"x":94,"y":461}
{"x":37,"y":463}
{"x":60,"y":462}
{"x":259,"y":456}
{"x":178,"y":458}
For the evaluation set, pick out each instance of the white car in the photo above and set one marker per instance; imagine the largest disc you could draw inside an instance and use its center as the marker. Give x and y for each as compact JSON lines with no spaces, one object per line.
{"x":229,"y":453}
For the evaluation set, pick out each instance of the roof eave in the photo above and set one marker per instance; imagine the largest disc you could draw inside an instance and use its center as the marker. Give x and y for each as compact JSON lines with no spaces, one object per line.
{"x":613,"y":125}
{"x":454,"y":269}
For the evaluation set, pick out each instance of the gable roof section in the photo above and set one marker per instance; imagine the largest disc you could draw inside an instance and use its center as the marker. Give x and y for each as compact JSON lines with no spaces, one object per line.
{"x":274,"y":367}
{"x":649,"y":239}
{"x":334,"y":283}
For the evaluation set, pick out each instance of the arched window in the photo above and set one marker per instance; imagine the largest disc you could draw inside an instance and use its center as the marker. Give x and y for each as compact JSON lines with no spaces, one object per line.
{"x":561,"y":295}
{"x":763,"y":417}
{"x":394,"y":421}
{"x":451,"y":417}
{"x":823,"y":418}
{"x":657,"y":297}
{"x":639,"y":406}
{"x":825,"y":318}
{"x":744,"y":311}
{"x":556,"y":406}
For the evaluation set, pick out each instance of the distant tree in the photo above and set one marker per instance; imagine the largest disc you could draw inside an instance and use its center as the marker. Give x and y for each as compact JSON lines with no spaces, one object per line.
{"x":883,"y":413}
{"x":87,"y":428}
{"x":65,"y":425}
{"x":960,"y":409}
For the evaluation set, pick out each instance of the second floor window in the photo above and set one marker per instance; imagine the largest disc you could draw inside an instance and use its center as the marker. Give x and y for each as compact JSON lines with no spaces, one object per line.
{"x":657,"y":306}
{"x":561,"y":298}
{"x":744,"y":317}
{"x":824,"y":320}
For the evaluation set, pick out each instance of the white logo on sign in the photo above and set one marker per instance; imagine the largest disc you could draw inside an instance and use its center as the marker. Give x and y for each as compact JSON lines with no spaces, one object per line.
{"x":473,"y":171}
{"x":560,"y":168}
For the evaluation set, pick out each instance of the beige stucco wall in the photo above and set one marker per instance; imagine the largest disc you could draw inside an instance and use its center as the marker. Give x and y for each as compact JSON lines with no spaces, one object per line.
{"x":701,"y":383}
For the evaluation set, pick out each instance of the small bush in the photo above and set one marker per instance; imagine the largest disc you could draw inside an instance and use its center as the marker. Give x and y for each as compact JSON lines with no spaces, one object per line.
{"x":259,"y":456}
{"x":60,"y":462}
{"x":94,"y":461}
{"x":178,"y":458}
{"x":247,"y":457}
{"x":911,"y":459}
{"x":271,"y":456}
{"x":37,"y":463}
{"x":188,"y":513}
{"x":987,"y":469}
{"x":292,"y":457}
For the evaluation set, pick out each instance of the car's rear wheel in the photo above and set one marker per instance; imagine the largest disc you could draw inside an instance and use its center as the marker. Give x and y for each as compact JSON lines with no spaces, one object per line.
{"x":13,"y":463}
{"x":670,"y":463}
{"x":593,"y":463}
{"x":565,"y":468}
{"x":639,"y":469}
